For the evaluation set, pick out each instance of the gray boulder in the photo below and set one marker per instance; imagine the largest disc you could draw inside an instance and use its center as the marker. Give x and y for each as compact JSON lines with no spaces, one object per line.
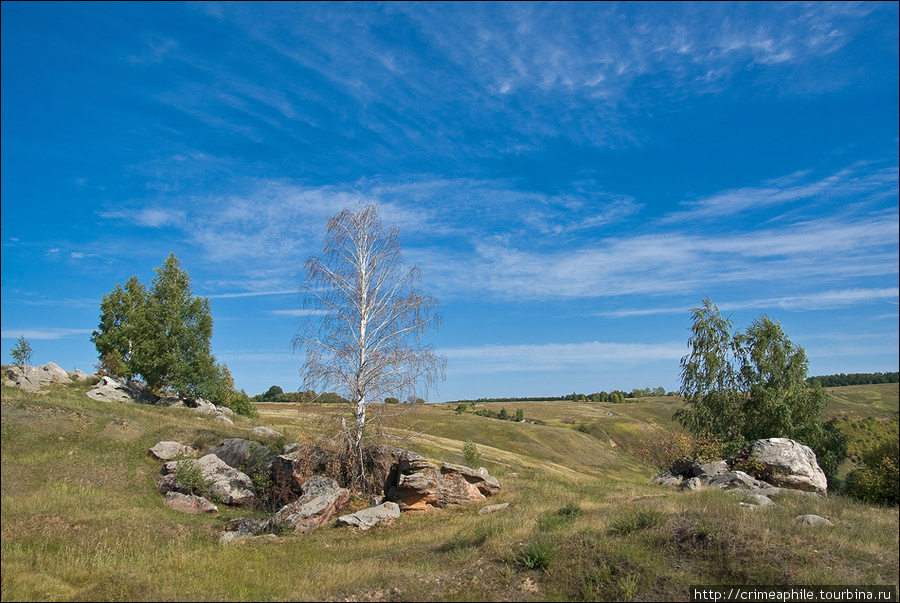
{"x":736,"y":479}
{"x":34,"y":378}
{"x":248,"y":456}
{"x":265,"y":432}
{"x":244,"y":527}
{"x":812,"y":520}
{"x":367,"y":518}
{"x":666,"y":478}
{"x":116,"y":389}
{"x":291,"y":469}
{"x":222,"y":482}
{"x":707,"y":471}
{"x":171,"y":450}
{"x":692,"y":483}
{"x":322,"y":499}
{"x":782,"y":462}
{"x":79,"y":375}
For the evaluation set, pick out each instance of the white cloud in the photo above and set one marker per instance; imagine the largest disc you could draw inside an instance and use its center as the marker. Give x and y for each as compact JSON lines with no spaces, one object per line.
{"x":51,"y":333}
{"x":555,"y":356}
{"x":824,"y":300}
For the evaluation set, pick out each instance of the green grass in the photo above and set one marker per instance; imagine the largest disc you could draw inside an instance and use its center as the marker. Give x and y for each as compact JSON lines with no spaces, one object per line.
{"x":82,"y":519}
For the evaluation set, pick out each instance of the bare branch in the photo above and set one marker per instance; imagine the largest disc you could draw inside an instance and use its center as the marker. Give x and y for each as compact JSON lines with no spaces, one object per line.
{"x":364,"y":338}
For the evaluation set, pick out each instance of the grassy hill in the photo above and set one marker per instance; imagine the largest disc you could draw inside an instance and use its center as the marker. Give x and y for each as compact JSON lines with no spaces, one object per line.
{"x":81,"y":518}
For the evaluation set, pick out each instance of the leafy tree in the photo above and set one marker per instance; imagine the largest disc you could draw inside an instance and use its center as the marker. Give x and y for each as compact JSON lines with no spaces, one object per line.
{"x":163,"y":336}
{"x":877,"y":479}
{"x":21,"y":352}
{"x":272,"y":393}
{"x":122,"y":314}
{"x":173,"y":351}
{"x":751,"y":385}
{"x":366,"y":338}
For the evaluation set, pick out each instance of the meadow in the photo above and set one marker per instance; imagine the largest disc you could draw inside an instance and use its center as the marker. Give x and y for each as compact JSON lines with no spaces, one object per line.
{"x":81,"y":519}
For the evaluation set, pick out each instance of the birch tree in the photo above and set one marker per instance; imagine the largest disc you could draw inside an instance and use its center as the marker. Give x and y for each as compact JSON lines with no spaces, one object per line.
{"x":366,"y":319}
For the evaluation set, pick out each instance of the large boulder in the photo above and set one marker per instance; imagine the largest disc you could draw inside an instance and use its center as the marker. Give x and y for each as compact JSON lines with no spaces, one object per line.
{"x":116,"y":389}
{"x":221,"y":481}
{"x":367,"y":518}
{"x":423,"y":483}
{"x":322,"y":499}
{"x":291,"y":469}
{"x":34,"y":378}
{"x":265,"y":432}
{"x":782,"y":462}
{"x":79,"y":375}
{"x":250,"y":457}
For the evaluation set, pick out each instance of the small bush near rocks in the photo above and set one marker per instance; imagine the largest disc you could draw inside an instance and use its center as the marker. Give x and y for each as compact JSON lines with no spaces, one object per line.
{"x":189,"y":474}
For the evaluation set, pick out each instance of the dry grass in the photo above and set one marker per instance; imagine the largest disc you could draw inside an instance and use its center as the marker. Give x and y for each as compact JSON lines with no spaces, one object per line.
{"x":82,"y":520}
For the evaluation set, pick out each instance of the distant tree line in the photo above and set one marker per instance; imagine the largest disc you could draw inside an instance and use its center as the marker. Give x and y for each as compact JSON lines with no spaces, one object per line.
{"x":853,"y":379}
{"x":276,"y":394}
{"x":616,"y":396}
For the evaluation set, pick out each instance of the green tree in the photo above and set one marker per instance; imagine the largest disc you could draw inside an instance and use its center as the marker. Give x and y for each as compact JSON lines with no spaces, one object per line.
{"x":173,"y":350}
{"x":122,"y":314}
{"x":751,"y":385}
{"x":162,"y":334}
{"x":21,"y":352}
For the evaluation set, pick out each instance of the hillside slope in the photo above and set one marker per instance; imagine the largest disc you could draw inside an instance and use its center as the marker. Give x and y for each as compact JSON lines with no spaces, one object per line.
{"x":82,"y":520}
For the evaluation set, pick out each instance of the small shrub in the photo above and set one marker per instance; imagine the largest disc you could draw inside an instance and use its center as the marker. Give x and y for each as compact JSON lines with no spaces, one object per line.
{"x":538,"y":555}
{"x":471,"y":454}
{"x":572,"y":510}
{"x":661,"y":452}
{"x":190,"y":476}
{"x":877,"y":478}
{"x":633,"y":521}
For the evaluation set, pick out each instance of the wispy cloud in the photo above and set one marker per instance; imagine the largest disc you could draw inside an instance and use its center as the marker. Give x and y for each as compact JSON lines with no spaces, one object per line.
{"x":49,"y":333}
{"x":855,"y":183}
{"x":554,"y":356}
{"x":824,"y":300}
{"x":252,"y":294}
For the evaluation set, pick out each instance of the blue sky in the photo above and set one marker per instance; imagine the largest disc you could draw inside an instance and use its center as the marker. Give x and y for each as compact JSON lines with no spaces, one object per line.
{"x":570,"y":178}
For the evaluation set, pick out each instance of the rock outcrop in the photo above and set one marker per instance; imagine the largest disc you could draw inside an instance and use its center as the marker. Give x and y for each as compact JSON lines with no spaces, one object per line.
{"x":322,"y":499}
{"x":250,"y":457}
{"x":423,"y":483}
{"x":189,"y":503}
{"x":167,"y":451}
{"x":116,"y":389}
{"x":370,"y":517}
{"x":768,"y":464}
{"x":35,"y":378}
{"x":221,"y":481}
{"x":265,"y":432}
{"x":783,"y":463}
